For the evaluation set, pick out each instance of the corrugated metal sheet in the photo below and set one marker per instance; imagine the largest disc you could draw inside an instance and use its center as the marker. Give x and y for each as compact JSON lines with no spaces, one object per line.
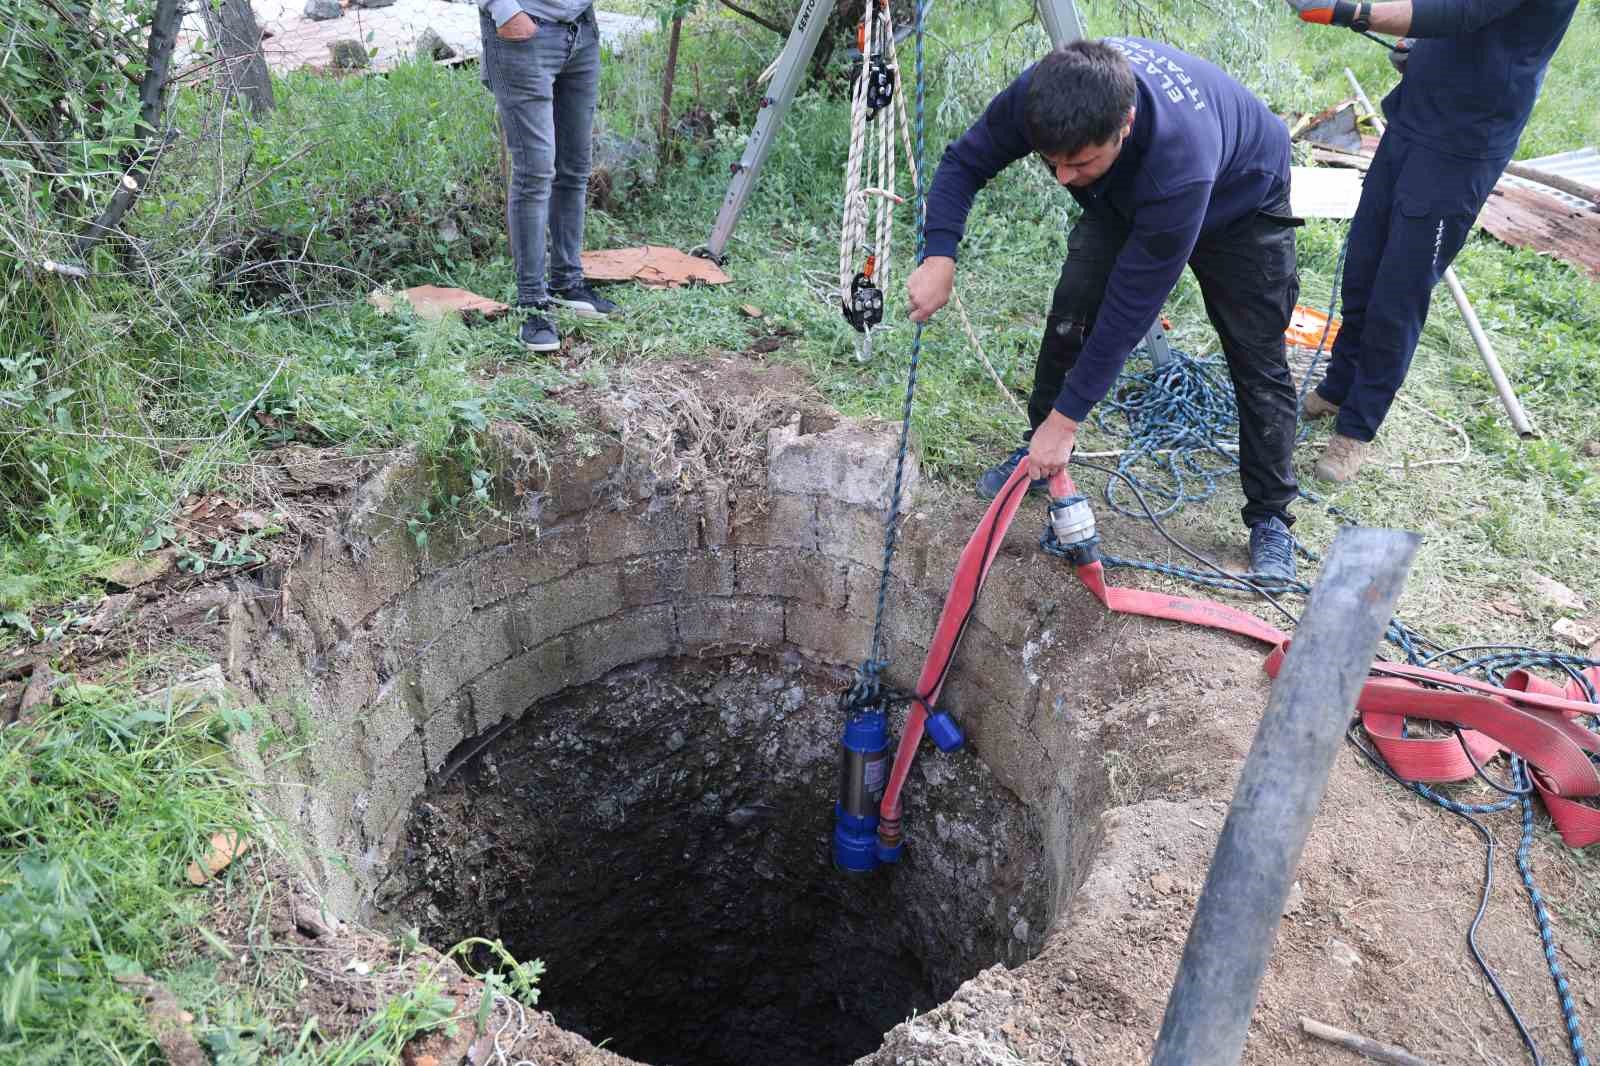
{"x":1581,"y":165}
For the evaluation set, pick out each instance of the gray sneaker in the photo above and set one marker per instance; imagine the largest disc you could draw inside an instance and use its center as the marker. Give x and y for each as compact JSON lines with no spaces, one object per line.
{"x":538,"y":335}
{"x":584,"y":302}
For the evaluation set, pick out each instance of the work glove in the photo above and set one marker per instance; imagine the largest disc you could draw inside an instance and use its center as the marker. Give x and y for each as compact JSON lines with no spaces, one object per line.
{"x":1400,"y":53}
{"x":1324,"y":12}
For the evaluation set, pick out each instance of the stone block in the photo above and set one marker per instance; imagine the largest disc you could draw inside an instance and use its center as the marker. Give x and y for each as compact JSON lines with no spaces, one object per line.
{"x":851,"y":463}
{"x":850,"y":532}
{"x":744,"y":621}
{"x":600,"y":647}
{"x":466,"y":650}
{"x":710,"y":573}
{"x":519,"y":682}
{"x":825,"y":634}
{"x":784,"y":572}
{"x":623,"y":534}
{"x":546,"y":610}
{"x":654,"y":579}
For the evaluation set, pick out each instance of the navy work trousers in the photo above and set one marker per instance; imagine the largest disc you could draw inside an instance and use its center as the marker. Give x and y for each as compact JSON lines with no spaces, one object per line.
{"x":1417,"y":208}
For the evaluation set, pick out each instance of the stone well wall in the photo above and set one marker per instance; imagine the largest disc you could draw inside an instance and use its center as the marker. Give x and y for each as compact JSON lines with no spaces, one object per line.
{"x":392,"y":660}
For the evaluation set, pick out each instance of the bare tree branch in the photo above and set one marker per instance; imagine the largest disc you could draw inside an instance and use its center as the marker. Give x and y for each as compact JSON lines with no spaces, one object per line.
{"x":753,"y":17}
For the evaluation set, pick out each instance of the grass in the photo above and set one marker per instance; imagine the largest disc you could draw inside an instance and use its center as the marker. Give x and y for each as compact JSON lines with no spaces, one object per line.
{"x":102,"y":803}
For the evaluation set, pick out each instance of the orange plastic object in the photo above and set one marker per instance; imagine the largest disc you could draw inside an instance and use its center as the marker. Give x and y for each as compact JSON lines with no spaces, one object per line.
{"x":1306,"y":326}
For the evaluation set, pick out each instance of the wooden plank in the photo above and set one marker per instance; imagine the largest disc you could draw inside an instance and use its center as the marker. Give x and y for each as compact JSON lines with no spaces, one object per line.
{"x":1527,"y":219}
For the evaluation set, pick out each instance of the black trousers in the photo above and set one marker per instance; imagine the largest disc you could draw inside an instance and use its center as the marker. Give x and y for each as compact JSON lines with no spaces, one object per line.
{"x":1248,"y":277}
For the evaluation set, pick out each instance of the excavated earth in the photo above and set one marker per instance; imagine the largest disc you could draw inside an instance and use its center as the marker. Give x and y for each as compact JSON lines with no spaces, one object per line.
{"x":602,"y":727}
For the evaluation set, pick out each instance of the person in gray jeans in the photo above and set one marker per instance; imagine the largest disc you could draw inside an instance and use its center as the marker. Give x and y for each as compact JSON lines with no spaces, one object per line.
{"x":541,"y":60}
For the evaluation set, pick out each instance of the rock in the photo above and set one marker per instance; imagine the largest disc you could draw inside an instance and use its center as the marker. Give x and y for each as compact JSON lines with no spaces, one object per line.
{"x":1020,"y":930}
{"x":323,"y":10}
{"x":431,"y":46}
{"x":1591,"y":448}
{"x":348,"y":54}
{"x":1554,"y":594}
{"x":1578,"y":633}
{"x":131,"y":573}
{"x":1508,"y":607}
{"x":372,"y":3}
{"x":1296,"y":900}
{"x":1343,"y":955}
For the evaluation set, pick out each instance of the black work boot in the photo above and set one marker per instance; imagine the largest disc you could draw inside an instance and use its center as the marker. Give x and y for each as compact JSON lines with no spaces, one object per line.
{"x":994,"y":479}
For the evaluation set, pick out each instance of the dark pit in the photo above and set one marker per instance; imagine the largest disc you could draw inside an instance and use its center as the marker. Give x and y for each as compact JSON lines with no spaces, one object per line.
{"x":660,"y":839}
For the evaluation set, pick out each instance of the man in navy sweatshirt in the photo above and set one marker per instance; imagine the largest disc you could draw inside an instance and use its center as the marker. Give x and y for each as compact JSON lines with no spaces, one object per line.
{"x":1467,"y":88}
{"x":1174,"y":163}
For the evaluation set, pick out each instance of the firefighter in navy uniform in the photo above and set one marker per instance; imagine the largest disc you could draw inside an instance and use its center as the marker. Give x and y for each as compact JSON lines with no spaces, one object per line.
{"x":1468,"y":83}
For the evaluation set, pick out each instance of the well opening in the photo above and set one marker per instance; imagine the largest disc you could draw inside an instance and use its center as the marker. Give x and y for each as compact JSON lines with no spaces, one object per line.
{"x":660,"y":840}
{"x":604,"y":728}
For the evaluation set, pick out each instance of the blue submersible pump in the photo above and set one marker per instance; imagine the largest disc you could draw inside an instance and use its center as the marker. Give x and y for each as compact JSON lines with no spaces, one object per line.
{"x":863,"y":770}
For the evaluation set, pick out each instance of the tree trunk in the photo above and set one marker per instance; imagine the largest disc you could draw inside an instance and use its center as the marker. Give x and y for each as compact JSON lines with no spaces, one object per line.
{"x":164,"y":24}
{"x":665,"y":122}
{"x":231,"y":25}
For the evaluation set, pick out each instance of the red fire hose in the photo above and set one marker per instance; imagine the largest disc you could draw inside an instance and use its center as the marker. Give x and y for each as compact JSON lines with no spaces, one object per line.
{"x":1529,"y":716}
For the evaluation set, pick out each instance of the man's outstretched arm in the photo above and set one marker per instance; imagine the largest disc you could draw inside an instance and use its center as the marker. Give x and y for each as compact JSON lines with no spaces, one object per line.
{"x":1408,"y":18}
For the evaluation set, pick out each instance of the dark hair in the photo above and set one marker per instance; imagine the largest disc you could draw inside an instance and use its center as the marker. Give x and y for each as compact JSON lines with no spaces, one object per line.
{"x":1078,"y":96}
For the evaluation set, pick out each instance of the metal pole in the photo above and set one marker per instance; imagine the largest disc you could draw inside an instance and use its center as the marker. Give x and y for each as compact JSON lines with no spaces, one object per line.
{"x":1502,"y":384}
{"x":1061,"y":21}
{"x":803,"y":38}
{"x":1279,"y":790}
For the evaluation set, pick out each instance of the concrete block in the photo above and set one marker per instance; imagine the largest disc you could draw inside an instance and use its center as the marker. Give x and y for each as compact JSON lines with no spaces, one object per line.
{"x":850,"y":532}
{"x":623,"y":534}
{"x":715,"y":516}
{"x":746,"y":621}
{"x":394,"y":784}
{"x":780,"y":521}
{"x":784,"y":572}
{"x":466,"y":650}
{"x":710,"y":573}
{"x":826,"y":634}
{"x":448,"y":727}
{"x":653,"y":579}
{"x":600,"y":647}
{"x":851,"y":463}
{"x":578,"y":482}
{"x":529,"y":560}
{"x":546,"y":610}
{"x":519,"y":682}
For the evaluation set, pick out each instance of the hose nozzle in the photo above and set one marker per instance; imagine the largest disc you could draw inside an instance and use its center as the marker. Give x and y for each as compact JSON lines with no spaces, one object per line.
{"x":1072,"y":530}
